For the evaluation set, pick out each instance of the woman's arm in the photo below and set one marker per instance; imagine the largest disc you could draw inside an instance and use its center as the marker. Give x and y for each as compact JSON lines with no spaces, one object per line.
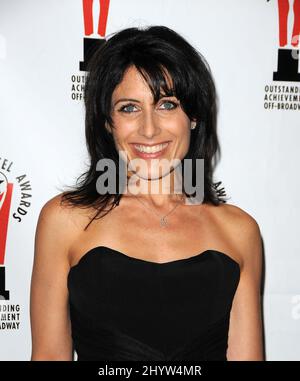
{"x":245,"y":340}
{"x":49,"y":313}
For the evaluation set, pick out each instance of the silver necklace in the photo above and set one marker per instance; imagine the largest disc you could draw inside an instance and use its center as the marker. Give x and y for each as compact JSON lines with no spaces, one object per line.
{"x":162,"y":219}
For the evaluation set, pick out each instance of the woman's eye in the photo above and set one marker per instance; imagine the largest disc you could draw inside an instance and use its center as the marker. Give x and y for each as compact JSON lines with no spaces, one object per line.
{"x":173,"y":105}
{"x":125,"y":108}
{"x":128,"y":109}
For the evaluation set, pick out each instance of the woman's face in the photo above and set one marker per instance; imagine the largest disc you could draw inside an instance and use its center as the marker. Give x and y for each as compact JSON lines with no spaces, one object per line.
{"x":145,"y":131}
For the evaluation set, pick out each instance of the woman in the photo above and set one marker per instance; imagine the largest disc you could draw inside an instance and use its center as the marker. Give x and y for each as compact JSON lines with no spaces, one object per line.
{"x":126,"y":275}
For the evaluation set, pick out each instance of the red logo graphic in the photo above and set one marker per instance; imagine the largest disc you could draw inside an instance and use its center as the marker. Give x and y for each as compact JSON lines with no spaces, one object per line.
{"x":88,"y":17}
{"x":283,"y":12}
{"x":91,"y":44}
{"x":288,"y":58}
{"x":6,"y":189}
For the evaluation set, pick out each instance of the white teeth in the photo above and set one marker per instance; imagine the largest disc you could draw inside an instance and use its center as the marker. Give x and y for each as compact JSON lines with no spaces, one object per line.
{"x":153,"y":149}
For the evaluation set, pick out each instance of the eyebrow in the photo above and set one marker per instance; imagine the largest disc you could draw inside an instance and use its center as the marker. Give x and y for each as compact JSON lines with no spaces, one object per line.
{"x":126,"y":99}
{"x":136,"y":100}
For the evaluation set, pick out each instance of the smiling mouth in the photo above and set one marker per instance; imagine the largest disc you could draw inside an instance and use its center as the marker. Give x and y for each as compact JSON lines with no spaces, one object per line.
{"x":150,"y":149}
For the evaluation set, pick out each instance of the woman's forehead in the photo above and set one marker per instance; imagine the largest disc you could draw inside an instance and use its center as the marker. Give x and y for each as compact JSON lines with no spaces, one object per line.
{"x":134,"y":84}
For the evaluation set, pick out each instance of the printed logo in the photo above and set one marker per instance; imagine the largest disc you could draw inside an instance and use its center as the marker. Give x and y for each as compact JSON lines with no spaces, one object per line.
{"x":285,"y":96}
{"x":90,"y":44}
{"x":15,"y":201}
{"x":8,"y":186}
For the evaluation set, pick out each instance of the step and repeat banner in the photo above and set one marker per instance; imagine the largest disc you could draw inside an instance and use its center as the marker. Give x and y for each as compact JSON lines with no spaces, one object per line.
{"x":252,"y":47}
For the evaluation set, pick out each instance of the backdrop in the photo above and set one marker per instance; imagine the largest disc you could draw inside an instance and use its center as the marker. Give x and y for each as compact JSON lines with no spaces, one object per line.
{"x":252,"y":48}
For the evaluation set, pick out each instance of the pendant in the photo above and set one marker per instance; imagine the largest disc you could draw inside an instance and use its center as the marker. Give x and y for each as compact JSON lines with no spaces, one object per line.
{"x":163,"y":222}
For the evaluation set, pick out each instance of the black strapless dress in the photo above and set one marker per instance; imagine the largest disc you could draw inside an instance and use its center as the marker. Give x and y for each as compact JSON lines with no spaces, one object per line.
{"x":125,"y":308}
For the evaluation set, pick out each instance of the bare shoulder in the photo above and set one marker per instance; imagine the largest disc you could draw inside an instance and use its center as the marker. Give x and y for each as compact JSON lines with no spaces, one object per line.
{"x":243,"y":230}
{"x":238,"y":217}
{"x":59,"y":214}
{"x":58,"y":225}
{"x":54,"y":209}
{"x":235,"y":218}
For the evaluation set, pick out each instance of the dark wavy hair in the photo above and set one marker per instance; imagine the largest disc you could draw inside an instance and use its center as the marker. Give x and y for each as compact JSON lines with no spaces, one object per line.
{"x":152,"y":50}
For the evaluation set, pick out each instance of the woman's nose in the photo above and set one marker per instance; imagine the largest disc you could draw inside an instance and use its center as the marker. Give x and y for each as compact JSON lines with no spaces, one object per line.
{"x":149,"y":125}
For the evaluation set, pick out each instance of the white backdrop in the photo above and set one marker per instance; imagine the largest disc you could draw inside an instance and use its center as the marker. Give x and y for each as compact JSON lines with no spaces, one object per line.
{"x":42,"y":134}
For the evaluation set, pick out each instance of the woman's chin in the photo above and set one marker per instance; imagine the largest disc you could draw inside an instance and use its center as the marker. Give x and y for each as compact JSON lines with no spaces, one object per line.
{"x":150,"y":175}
